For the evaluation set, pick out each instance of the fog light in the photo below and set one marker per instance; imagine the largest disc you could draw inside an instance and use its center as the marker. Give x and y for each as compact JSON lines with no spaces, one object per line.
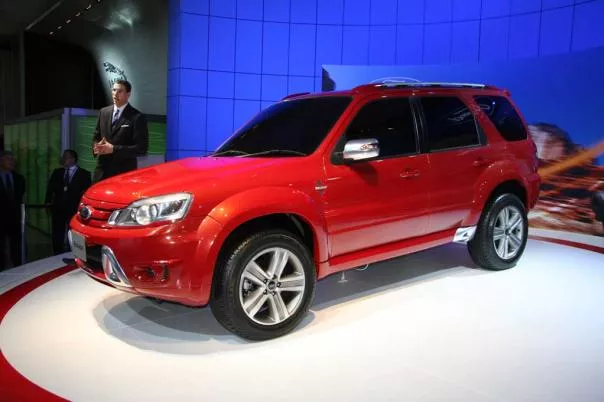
{"x":144,"y":274}
{"x":153,"y":273}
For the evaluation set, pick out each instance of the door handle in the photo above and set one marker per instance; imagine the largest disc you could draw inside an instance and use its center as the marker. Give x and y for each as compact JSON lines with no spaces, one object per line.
{"x":480,"y":162}
{"x":410,"y":174}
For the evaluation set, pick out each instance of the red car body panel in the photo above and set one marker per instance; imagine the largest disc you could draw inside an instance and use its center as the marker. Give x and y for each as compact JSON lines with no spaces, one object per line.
{"x":359,"y":214}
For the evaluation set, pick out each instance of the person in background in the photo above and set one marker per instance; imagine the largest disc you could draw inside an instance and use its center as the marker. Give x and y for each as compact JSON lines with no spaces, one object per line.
{"x":64,"y":191}
{"x":12,"y":193}
{"x":121,"y":135}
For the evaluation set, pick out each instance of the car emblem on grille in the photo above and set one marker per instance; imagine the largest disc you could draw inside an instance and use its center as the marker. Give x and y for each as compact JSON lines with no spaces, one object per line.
{"x":85,"y":212}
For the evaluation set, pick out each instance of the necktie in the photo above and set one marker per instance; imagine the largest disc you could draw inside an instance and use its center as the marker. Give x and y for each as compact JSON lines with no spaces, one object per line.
{"x":66,"y":179}
{"x":8,"y":184}
{"x":115,"y":116}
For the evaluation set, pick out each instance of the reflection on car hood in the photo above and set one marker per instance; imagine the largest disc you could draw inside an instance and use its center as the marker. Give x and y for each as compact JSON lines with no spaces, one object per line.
{"x":186,"y":175}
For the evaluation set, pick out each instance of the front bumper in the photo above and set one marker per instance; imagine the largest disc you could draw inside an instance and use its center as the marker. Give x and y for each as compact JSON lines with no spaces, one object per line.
{"x":161,"y":262}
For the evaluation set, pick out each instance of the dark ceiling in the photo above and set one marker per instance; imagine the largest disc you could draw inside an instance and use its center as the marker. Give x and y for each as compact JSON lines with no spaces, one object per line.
{"x":16,"y":15}
{"x":69,"y":20}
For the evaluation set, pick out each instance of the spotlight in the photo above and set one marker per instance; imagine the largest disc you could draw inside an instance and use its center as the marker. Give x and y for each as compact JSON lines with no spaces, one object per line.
{"x":68,"y":21}
{"x":89,"y":7}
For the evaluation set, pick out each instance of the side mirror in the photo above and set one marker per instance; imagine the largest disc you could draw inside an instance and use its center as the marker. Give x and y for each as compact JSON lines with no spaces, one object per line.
{"x":356,"y":150}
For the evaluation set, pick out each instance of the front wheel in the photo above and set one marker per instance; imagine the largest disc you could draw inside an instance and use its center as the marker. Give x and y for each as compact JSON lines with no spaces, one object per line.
{"x":501,"y":235}
{"x":265,"y":286}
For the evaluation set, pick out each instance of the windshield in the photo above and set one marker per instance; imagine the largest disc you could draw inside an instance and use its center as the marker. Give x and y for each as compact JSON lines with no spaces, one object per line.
{"x":289,"y":128}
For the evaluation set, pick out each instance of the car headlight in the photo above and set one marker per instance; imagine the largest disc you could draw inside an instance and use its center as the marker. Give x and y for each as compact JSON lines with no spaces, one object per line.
{"x":169,"y":207}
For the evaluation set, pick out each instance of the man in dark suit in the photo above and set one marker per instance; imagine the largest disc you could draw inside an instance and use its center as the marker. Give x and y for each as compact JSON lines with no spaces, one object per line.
{"x":120,"y":136}
{"x":12,"y":192}
{"x":65,"y":188}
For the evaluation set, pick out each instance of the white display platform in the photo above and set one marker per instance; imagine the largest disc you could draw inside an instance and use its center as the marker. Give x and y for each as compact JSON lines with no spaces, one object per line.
{"x":425,"y":327}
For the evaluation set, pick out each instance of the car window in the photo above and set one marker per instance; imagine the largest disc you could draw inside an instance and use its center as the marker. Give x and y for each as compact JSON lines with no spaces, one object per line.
{"x":504,"y":116}
{"x":390,"y":121}
{"x":449,"y":123}
{"x":297,"y":126}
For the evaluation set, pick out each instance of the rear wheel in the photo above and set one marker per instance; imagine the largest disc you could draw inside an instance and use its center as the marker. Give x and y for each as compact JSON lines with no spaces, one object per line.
{"x":265,"y":286}
{"x":501,"y":235}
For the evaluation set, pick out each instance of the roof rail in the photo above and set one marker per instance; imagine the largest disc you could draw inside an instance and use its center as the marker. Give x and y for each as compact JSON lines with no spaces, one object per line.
{"x":417,"y":84}
{"x":294,"y":95}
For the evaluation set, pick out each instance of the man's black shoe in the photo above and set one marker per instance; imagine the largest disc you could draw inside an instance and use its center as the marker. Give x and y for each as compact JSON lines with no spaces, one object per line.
{"x":70,"y":261}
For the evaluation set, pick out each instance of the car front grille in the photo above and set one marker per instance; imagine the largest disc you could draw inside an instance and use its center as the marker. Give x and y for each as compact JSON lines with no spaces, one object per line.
{"x":96,"y":213}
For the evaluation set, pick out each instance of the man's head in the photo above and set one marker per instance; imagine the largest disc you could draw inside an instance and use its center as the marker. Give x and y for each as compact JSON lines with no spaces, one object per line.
{"x":7,"y":160}
{"x":70,"y":158}
{"x":121,"y":92}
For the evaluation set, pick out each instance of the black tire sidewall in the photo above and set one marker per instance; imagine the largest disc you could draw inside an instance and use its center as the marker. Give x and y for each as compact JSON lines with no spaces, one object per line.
{"x":501,"y":202}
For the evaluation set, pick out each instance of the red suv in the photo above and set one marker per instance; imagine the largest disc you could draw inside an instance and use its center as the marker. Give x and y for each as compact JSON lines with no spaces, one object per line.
{"x":313,"y":185}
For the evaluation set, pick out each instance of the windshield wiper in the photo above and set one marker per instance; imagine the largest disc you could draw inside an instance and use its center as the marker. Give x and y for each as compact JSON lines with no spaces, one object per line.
{"x":230,"y":152}
{"x":278,"y":152}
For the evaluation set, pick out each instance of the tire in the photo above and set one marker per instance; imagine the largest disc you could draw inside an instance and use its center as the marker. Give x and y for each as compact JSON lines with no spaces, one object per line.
{"x":276,"y":305}
{"x":487,"y":251}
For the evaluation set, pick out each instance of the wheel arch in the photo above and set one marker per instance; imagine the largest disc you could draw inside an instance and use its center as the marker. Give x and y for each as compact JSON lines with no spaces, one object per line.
{"x":497,"y":180}
{"x":248,"y":212}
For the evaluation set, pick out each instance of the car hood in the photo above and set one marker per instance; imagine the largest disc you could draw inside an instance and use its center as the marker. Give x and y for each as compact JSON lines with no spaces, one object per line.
{"x":185,"y":175}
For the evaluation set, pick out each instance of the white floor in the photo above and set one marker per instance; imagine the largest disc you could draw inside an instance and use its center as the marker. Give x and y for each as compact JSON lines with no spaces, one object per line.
{"x":13,"y":277}
{"x":426,"y":327}
{"x":597,"y":241}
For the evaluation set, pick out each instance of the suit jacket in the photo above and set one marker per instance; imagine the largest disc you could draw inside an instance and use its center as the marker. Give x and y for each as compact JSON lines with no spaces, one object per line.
{"x":65,"y":203}
{"x":129,"y":136}
{"x":10,"y":204}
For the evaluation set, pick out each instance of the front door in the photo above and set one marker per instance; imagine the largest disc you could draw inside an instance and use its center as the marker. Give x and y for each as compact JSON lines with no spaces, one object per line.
{"x":385,"y":199}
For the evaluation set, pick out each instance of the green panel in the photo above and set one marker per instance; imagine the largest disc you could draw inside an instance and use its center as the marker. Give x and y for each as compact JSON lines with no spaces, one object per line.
{"x":9,"y":136}
{"x":30,"y":171}
{"x":157,"y":138}
{"x":37,"y":148}
{"x":54,"y":142}
{"x":22,"y":149}
{"x":82,"y":130}
{"x":54,"y":153}
{"x":44,"y":165}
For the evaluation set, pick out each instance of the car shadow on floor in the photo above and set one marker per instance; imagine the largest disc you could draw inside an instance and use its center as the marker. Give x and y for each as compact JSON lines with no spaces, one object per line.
{"x":396,"y":273}
{"x":173,"y":328}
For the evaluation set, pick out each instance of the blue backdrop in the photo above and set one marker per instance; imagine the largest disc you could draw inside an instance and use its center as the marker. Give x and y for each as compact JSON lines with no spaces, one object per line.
{"x":230,"y":58}
{"x":565,"y":91}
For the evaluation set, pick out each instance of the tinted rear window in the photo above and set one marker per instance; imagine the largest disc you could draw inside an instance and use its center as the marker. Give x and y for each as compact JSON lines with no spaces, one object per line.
{"x":503,"y":115}
{"x":449,"y":123}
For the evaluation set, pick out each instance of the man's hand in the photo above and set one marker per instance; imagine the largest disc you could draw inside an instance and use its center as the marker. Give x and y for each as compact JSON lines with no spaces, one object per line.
{"x":103,"y":147}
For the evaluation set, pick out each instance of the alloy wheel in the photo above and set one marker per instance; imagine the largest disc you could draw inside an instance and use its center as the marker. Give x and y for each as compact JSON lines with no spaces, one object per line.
{"x":508,"y":233}
{"x":272,"y":286}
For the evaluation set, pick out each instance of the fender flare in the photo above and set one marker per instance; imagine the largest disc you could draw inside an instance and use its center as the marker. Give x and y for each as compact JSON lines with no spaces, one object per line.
{"x":492,"y":177}
{"x":234,"y":211}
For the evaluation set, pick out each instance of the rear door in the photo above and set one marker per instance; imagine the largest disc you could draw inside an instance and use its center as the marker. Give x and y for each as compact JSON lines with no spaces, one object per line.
{"x":378,"y":201}
{"x":458,"y":155}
